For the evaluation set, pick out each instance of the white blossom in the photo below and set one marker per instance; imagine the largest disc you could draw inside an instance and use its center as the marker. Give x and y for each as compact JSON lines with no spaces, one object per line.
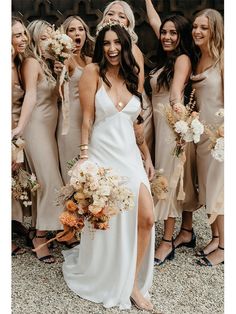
{"x":181,"y":127}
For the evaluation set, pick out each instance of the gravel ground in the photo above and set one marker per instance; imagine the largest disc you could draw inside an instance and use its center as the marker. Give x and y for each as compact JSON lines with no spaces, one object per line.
{"x":180,"y":286}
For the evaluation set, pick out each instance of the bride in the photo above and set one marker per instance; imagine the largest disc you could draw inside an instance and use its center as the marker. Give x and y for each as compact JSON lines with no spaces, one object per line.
{"x":115,"y":267}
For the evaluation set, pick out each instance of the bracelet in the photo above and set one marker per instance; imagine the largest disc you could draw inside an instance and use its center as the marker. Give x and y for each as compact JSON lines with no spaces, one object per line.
{"x":84,"y":148}
{"x":82,"y":145}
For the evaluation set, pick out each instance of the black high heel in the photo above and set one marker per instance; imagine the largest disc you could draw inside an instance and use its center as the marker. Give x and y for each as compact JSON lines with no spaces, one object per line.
{"x":191,"y":243}
{"x":30,"y":235}
{"x":201,"y":253}
{"x":204,"y":261}
{"x":170,"y":256}
{"x":47,"y":259}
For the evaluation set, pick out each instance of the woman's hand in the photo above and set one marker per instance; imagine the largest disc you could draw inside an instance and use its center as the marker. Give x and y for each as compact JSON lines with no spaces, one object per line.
{"x":149,"y":168}
{"x":16,"y":132}
{"x":58,"y":67}
{"x":15,"y":165}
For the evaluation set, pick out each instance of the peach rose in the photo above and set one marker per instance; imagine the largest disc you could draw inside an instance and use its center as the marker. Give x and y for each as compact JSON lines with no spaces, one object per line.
{"x":71,"y":206}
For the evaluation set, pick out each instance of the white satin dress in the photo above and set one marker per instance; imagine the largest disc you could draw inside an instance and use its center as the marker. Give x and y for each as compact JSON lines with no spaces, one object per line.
{"x":102,"y":268}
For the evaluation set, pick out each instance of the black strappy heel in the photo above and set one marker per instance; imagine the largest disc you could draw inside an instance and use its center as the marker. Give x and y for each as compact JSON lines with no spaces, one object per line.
{"x":204,"y":261}
{"x":45,"y":259}
{"x":191,"y":243}
{"x":170,"y":256}
{"x":201,"y":253}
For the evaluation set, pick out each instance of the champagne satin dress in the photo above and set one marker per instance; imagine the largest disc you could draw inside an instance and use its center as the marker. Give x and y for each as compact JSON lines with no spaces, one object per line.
{"x":42,"y":154}
{"x":209,"y":97}
{"x":69,"y":143}
{"x":17,"y":98}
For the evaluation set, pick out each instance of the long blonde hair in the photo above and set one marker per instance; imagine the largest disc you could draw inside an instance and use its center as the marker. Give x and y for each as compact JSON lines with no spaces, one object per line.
{"x":129,"y":14}
{"x":87,"y":49}
{"x":216,"y":41}
{"x":35,"y":29}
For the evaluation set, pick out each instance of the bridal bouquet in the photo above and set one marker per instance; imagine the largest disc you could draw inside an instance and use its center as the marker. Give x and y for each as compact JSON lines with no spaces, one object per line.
{"x":184,"y":122}
{"x":159,"y":185}
{"x":23,"y":183}
{"x":216,"y":137}
{"x":94,"y":194}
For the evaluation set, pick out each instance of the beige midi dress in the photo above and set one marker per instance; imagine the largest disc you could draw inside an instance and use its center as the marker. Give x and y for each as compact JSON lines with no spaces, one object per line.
{"x":164,"y":156}
{"x":17,"y":98}
{"x":69,"y":143}
{"x":209,"y":97}
{"x":42,"y":154}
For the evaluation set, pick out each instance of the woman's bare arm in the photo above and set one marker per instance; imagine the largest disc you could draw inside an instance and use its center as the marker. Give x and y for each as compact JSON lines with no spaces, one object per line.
{"x":88,"y":84}
{"x":182,"y":71}
{"x":153,"y":17}
{"x":30,"y":73}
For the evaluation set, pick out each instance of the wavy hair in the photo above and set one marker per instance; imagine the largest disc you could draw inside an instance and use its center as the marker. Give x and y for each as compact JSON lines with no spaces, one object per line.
{"x":185,"y":46}
{"x":129,"y":68}
{"x":129,"y":14}
{"x":87,"y":49}
{"x":216,"y":40}
{"x":36,"y":28}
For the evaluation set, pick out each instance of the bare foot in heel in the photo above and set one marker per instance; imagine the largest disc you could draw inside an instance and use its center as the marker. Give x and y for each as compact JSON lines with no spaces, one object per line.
{"x":140,"y":302}
{"x":42,"y":254}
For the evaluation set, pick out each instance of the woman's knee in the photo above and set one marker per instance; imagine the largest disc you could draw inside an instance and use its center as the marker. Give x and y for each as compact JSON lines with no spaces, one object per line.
{"x":146,"y":222}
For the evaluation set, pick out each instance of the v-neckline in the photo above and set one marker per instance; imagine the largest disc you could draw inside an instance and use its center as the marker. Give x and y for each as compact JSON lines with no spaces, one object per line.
{"x":113,"y":102}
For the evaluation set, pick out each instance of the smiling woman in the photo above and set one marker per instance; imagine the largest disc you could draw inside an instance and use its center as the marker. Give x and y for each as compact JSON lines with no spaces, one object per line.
{"x":169,"y":37}
{"x":108,"y":138}
{"x":20,"y":40}
{"x":168,"y":82}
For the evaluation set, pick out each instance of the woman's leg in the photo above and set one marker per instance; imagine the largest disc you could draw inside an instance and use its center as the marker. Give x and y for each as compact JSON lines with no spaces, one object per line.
{"x":213,"y":244}
{"x":43,"y":253}
{"x":217,"y":256}
{"x":145,"y":224}
{"x":186,"y":232}
{"x":166,"y":245}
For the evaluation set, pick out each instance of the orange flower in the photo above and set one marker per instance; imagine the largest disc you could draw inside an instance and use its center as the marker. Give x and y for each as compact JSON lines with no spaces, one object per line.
{"x":71,"y":220}
{"x":71,"y":206}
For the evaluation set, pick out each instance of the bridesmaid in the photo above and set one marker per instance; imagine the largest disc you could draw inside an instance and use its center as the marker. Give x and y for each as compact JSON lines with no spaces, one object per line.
{"x":20,"y":40}
{"x":68,"y":144}
{"x":207,"y":79}
{"x":38,"y":123}
{"x":168,"y":81}
{"x":121,"y":11}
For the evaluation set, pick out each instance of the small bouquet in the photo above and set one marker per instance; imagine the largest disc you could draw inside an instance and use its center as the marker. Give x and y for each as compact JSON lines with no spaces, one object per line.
{"x":159,"y":185}
{"x":184,"y":122}
{"x":94,"y":194}
{"x":216,"y":137}
{"x":23,"y":183}
{"x":60,"y":46}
